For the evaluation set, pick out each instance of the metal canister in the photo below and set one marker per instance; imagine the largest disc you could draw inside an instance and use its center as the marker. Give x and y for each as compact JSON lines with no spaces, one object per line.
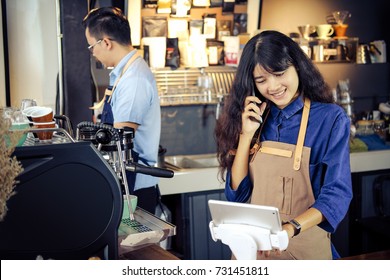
{"x":380,"y":129}
{"x":318,"y":53}
{"x":363,"y":54}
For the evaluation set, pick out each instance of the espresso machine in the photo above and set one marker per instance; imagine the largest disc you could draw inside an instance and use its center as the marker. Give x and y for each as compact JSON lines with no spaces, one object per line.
{"x":117,"y":147}
{"x":68,"y":200}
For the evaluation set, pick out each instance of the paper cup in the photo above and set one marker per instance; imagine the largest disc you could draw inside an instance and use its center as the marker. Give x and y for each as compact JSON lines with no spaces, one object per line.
{"x":133,"y":202}
{"x":28,"y":111}
{"x":45,"y":135}
{"x":42,"y":115}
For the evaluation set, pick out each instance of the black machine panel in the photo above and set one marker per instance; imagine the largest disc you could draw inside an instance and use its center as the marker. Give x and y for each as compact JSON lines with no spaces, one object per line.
{"x":68,"y":205}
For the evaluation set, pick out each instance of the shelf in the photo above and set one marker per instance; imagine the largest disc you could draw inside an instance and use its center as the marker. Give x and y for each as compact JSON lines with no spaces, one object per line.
{"x":331,"y":50}
{"x":335,"y":61}
{"x":313,"y":40}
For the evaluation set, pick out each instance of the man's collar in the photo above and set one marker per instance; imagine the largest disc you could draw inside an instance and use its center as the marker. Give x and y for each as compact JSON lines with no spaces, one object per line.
{"x":118,"y":69}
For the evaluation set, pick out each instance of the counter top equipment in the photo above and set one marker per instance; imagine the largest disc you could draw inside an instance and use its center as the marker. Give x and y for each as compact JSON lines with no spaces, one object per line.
{"x":69,"y":202}
{"x":247,"y":228}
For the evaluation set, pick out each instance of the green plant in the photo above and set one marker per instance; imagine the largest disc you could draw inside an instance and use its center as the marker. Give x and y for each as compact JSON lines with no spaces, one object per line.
{"x":10,"y":167}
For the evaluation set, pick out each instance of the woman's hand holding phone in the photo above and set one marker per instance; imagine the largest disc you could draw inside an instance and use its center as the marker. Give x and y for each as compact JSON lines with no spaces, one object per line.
{"x":252,"y":115}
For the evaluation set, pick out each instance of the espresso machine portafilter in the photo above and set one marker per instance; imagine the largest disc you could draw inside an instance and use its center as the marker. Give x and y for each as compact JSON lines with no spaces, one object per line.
{"x":116,"y":146}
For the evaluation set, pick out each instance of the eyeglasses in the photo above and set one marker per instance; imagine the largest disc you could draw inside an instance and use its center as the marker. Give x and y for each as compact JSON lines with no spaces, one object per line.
{"x":90,"y":48}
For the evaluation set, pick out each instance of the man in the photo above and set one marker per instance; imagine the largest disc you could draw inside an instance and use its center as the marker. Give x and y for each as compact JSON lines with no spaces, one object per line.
{"x":134,"y":99}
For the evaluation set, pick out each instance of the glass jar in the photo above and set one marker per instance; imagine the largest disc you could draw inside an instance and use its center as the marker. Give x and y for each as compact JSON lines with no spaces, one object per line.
{"x":18,"y":125}
{"x":365,"y":127}
{"x":380,"y":129}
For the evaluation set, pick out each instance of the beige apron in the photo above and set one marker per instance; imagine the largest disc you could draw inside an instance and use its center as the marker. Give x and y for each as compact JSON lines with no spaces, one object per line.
{"x":280,"y":176}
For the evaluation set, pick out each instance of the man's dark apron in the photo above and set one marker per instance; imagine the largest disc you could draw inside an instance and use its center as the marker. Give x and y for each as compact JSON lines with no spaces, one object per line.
{"x":280,"y":176}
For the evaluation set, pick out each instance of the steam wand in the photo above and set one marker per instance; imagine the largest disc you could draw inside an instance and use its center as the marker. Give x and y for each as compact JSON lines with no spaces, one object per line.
{"x":124,"y":179}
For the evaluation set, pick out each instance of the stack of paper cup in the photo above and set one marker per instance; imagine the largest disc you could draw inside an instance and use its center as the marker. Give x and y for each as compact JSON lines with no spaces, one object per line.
{"x":42,"y":117}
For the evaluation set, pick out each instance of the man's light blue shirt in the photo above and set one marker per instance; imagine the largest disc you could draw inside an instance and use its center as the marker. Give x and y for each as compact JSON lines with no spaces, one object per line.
{"x":135,"y":99}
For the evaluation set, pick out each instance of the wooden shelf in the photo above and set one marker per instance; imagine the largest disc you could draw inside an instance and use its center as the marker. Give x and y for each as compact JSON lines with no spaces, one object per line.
{"x":196,"y":13}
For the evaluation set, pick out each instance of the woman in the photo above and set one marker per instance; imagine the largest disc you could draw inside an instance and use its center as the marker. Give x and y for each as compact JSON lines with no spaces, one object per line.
{"x":282,"y":142}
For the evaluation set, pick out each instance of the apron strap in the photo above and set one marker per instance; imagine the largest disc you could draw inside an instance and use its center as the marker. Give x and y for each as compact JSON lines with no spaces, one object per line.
{"x":256,"y":145}
{"x":109,"y":92}
{"x":301,"y":135}
{"x":253,"y":151}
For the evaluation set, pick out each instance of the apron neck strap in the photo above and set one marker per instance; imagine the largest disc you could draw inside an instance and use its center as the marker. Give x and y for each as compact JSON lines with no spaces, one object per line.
{"x":109,"y":92}
{"x":301,"y":135}
{"x":134,"y":57}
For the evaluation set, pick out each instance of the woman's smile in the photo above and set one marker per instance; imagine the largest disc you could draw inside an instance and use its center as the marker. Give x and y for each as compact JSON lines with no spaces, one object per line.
{"x":279,"y":87}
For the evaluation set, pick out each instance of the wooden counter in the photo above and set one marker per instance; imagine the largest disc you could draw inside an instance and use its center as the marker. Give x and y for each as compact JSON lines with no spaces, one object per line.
{"x":151,"y":252}
{"x":155,"y":252}
{"x":381,"y":255}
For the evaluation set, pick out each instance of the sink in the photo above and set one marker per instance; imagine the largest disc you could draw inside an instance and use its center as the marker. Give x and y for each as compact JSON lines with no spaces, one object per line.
{"x":192,"y":161}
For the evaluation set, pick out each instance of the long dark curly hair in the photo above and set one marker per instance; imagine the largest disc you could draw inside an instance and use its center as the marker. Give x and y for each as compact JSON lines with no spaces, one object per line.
{"x":275,"y":52}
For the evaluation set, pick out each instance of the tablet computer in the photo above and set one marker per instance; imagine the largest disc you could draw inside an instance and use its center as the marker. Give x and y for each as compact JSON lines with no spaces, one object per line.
{"x":226,"y":212}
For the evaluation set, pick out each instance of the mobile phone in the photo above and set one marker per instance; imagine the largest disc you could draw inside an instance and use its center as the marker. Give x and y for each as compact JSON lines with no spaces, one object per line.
{"x":251,"y":118}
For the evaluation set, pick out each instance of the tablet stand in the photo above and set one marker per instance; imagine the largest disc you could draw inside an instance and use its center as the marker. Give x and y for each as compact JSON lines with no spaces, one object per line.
{"x":246,"y":240}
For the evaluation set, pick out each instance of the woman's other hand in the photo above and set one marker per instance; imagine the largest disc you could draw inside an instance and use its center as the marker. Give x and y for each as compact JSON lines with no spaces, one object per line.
{"x":267,"y":254}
